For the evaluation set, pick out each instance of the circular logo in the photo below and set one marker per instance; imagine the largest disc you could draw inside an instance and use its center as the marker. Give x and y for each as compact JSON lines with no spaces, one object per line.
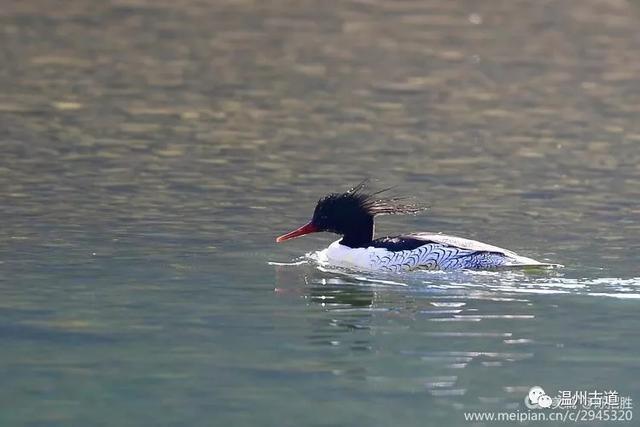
{"x":537,"y":398}
{"x":545,"y":401}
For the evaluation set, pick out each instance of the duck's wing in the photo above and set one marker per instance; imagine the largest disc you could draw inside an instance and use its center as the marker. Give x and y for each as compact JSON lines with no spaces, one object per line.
{"x":458,"y":242}
{"x":414,"y":240}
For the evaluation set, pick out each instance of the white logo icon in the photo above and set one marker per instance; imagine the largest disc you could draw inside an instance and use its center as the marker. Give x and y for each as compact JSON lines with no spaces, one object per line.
{"x":537,"y":398}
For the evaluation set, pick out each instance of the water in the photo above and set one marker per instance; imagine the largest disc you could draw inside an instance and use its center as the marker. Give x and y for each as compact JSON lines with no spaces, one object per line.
{"x":152,"y":151}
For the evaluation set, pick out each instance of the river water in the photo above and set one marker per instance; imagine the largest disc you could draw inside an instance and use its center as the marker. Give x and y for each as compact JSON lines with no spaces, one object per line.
{"x":152,"y":151}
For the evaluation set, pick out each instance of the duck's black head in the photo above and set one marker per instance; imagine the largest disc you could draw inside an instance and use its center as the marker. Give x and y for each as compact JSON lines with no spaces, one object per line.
{"x":350,"y":215}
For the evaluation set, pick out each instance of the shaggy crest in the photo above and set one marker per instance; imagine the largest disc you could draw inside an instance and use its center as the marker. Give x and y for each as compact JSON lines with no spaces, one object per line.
{"x":351,"y":215}
{"x":374,"y":205}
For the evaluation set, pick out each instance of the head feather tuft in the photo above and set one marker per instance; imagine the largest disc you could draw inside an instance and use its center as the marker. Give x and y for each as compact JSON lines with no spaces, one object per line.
{"x":376,"y":205}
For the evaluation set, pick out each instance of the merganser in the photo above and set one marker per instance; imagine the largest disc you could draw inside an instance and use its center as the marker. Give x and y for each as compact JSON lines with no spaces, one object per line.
{"x":351,"y":215}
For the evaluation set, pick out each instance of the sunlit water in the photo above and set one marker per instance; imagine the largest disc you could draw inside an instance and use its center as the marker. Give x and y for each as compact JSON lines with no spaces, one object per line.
{"x":152,"y":151}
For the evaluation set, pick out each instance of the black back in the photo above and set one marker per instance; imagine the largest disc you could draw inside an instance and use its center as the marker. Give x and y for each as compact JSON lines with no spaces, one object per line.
{"x":398,"y":243}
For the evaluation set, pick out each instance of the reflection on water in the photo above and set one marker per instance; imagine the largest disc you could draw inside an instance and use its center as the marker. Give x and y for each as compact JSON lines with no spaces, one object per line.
{"x":152,"y":150}
{"x":450,"y":335}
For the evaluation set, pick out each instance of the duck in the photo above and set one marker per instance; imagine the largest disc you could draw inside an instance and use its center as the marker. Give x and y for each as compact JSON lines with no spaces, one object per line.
{"x":351,"y":215}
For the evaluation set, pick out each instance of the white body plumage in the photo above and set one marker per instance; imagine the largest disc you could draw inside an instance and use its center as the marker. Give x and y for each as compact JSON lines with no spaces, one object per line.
{"x":439,"y":252}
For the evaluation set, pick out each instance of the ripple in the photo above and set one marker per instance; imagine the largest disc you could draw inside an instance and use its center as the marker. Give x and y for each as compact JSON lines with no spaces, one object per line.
{"x":487,"y":284}
{"x":448,"y":392}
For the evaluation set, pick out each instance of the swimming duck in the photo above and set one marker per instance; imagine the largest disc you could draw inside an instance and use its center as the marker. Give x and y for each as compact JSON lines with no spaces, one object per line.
{"x":351,"y":215}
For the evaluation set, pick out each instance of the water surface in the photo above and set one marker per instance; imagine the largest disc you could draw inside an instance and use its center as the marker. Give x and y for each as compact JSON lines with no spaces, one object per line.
{"x":152,"y":151}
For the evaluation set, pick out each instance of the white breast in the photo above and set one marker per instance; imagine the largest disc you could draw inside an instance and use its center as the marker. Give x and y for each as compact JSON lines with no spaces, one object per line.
{"x":362,"y":258}
{"x":344,"y":256}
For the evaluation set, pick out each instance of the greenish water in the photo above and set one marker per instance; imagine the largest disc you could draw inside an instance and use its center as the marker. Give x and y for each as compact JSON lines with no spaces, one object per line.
{"x":152,"y":151}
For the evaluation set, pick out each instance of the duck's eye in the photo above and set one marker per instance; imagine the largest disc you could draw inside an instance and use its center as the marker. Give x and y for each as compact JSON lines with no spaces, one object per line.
{"x":322,"y":219}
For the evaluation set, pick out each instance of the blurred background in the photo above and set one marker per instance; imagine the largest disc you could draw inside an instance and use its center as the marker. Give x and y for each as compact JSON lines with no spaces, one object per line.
{"x":152,"y":150}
